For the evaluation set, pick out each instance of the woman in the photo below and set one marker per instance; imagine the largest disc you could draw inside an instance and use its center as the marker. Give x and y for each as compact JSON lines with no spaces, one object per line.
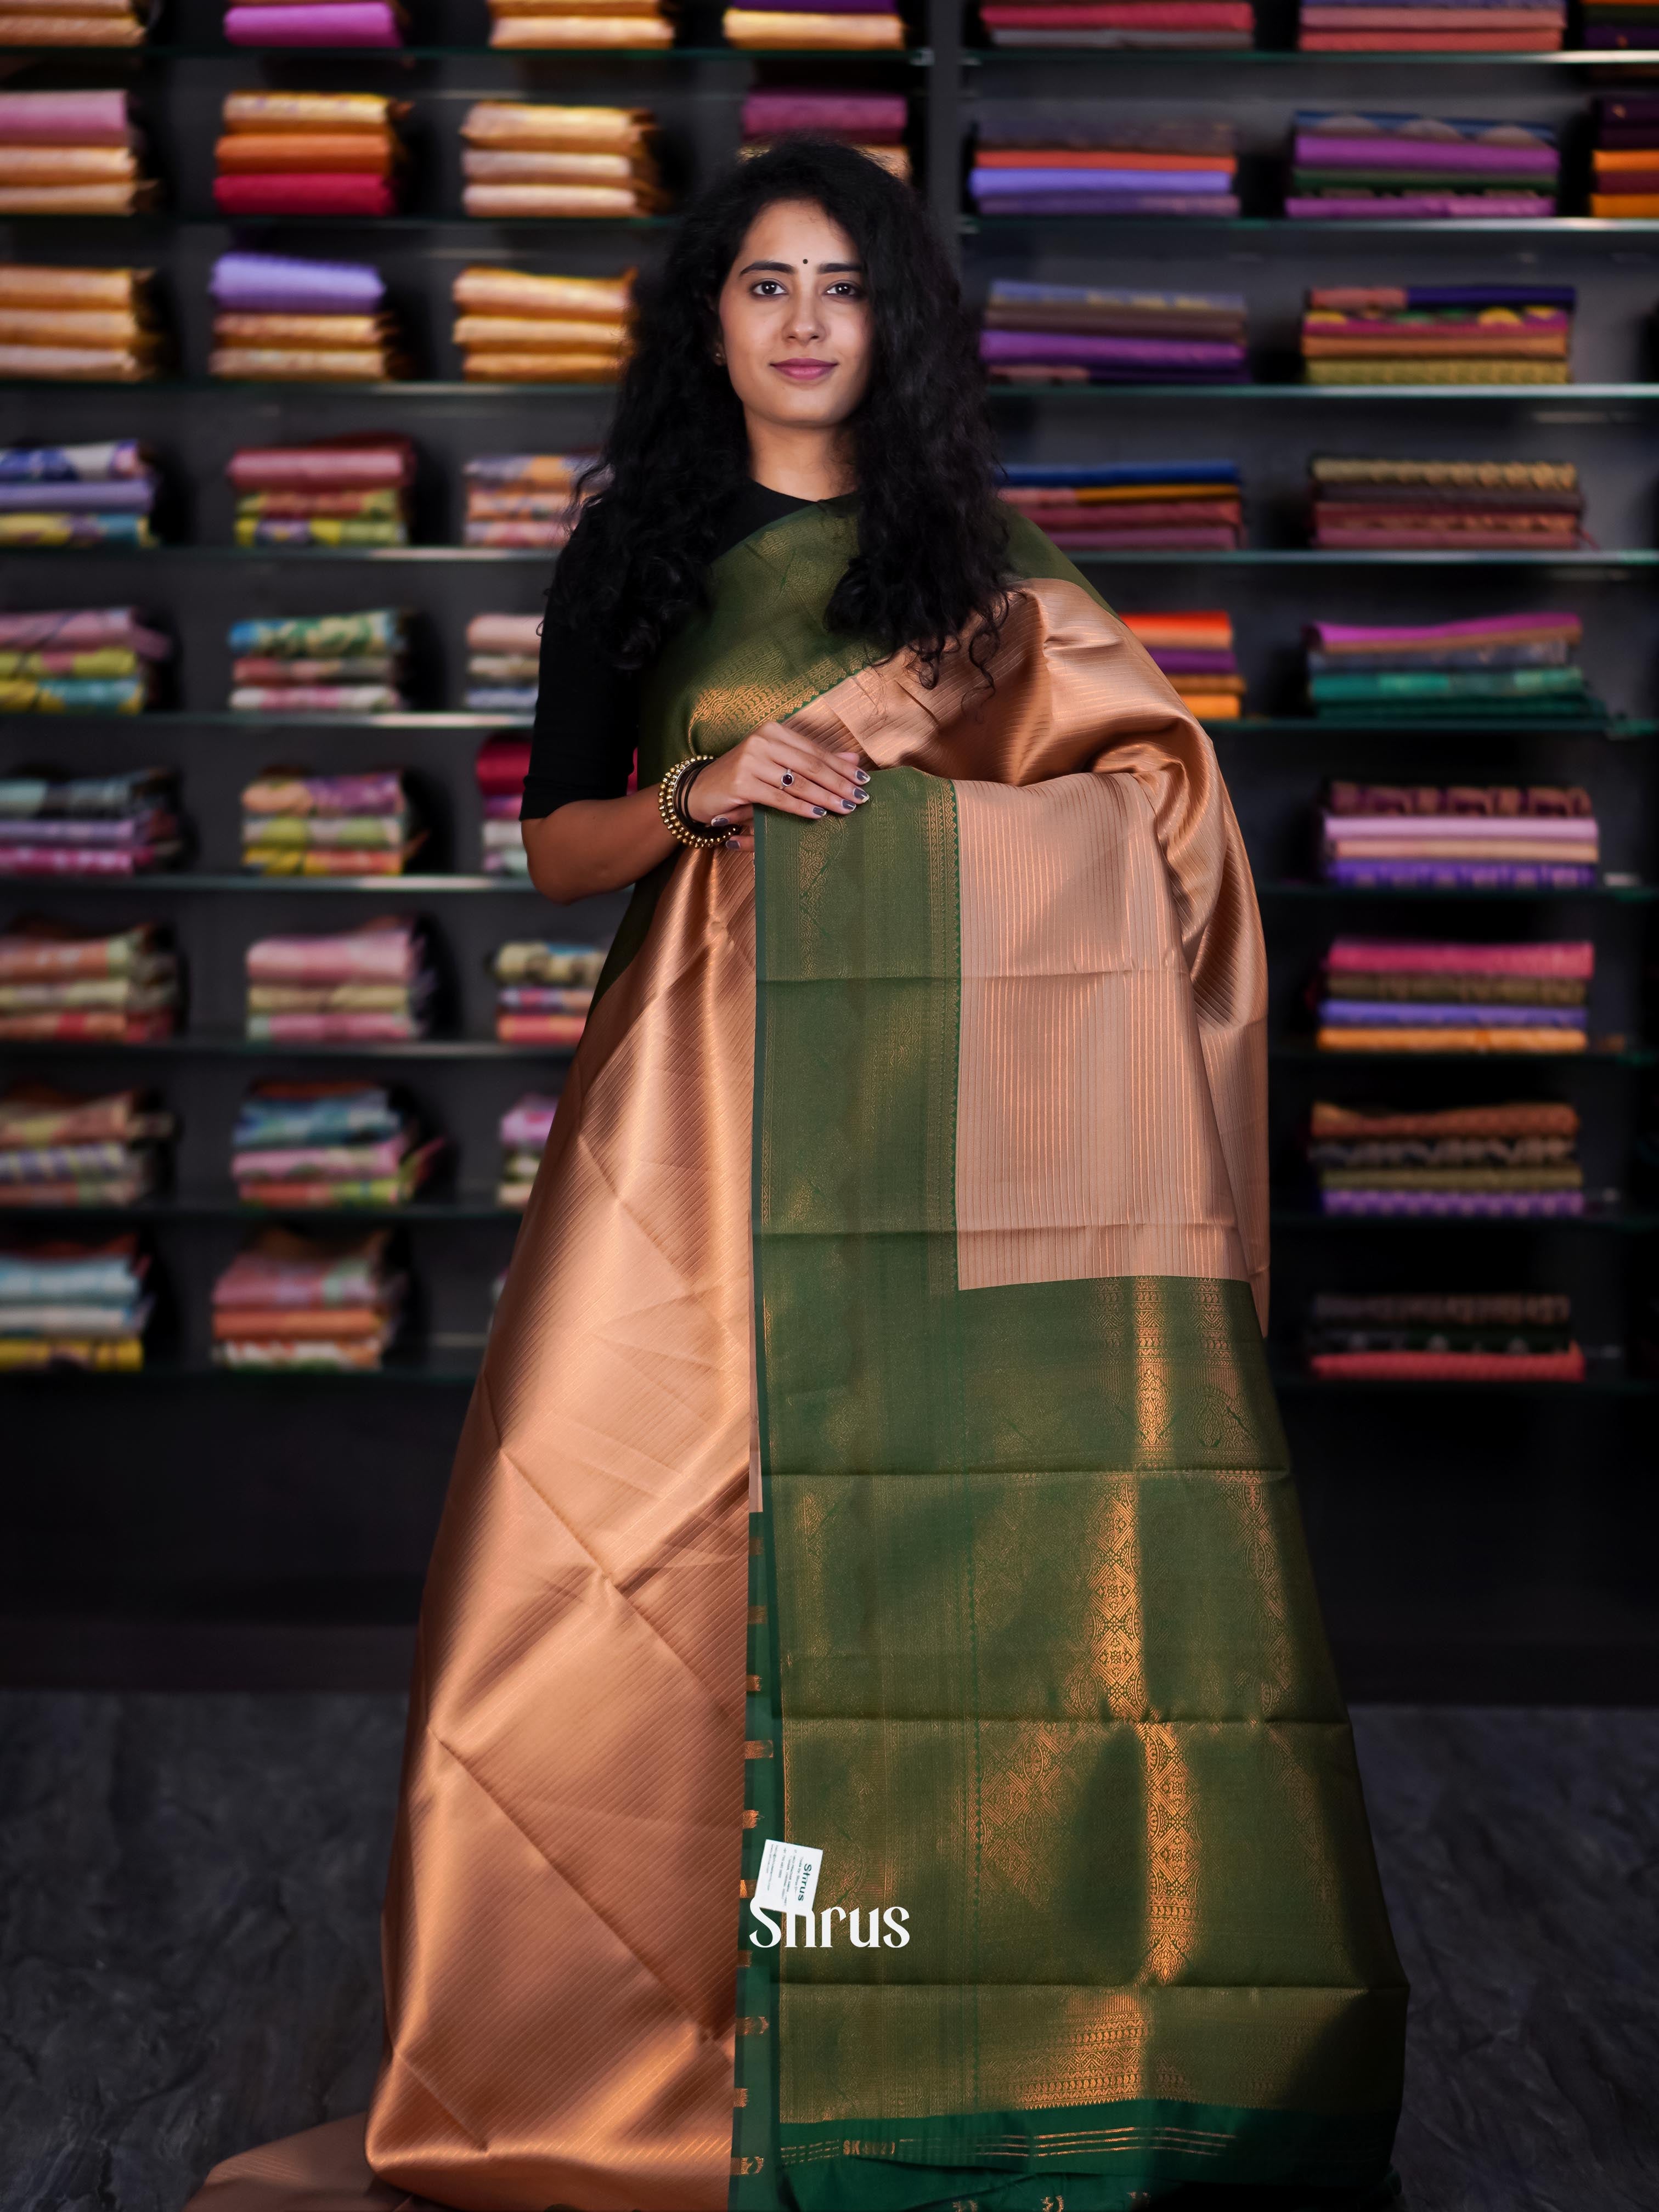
{"x":896,"y":1272}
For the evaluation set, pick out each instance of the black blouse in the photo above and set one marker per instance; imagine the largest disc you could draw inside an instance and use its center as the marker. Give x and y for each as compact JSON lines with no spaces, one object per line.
{"x":587,"y":712}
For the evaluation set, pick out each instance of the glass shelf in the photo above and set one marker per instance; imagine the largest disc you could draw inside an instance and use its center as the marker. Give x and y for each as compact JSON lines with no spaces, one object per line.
{"x":225,"y":719}
{"x":461,"y":1206}
{"x":1306,"y":1053}
{"x":1291,"y":57}
{"x":916,"y":57}
{"x":1295,"y":556}
{"x":188,"y":879}
{"x":438,"y":1367}
{"x":230,"y":1044}
{"x":1611,"y":894}
{"x":160,"y":222}
{"x":1620,"y":729}
{"x":1371,"y":395}
{"x":1615,"y":1221}
{"x":1293,"y":1385}
{"x":1611,"y":227}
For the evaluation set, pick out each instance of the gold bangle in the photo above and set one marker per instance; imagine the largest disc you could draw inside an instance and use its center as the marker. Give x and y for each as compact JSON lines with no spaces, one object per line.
{"x":677,"y":824}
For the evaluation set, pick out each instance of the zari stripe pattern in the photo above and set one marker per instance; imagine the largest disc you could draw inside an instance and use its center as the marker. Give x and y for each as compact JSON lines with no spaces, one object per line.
{"x":1036,"y":1638}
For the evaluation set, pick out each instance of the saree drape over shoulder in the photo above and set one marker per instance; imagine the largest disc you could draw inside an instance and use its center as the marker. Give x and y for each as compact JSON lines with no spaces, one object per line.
{"x":875,"y":1448}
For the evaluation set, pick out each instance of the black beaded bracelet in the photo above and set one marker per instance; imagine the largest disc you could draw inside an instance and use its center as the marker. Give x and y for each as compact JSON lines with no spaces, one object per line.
{"x":671,"y":805}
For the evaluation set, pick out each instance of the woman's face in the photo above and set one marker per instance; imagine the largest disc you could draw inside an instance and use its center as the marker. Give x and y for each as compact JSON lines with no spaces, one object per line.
{"x":795,"y":321}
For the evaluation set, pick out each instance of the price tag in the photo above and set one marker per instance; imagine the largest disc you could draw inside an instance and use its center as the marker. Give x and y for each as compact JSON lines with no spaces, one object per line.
{"x":789,"y":1878}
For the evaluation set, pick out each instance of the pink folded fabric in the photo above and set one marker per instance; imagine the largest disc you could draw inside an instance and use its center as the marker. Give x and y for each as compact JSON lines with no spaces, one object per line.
{"x":504,"y":634}
{"x":65,"y":118}
{"x":84,"y":628}
{"x":384,"y":952}
{"x":1574,"y":960}
{"x":1450,"y":1367}
{"x":337,"y":194}
{"x":330,"y":24}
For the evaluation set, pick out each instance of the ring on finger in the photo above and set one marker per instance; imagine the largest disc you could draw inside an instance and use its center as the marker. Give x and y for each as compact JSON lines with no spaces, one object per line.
{"x":787,"y":778}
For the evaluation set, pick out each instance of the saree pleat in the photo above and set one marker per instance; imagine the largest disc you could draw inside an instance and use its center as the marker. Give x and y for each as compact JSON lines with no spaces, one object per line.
{"x":909,"y":1188}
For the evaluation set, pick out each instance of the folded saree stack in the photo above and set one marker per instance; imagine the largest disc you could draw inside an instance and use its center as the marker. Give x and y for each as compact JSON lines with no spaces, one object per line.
{"x":310,"y":152}
{"x":281,"y":320}
{"x":63,"y":985}
{"x":70,"y":153}
{"x":851,"y":24}
{"x":327,"y":1145}
{"x":1431,"y":26}
{"x":1201,"y":25}
{"x":76,"y":22}
{"x":1442,"y":1336}
{"x":65,"y":1148}
{"x":1118,"y":506}
{"x":319,"y":664}
{"x":374,"y":985}
{"x":1420,"y":167}
{"x":329,"y":825}
{"x":1195,"y":651}
{"x":68,"y":1305}
{"x":1620,"y":26}
{"x":315,"y":23}
{"x":1387,"y":994}
{"x":502,"y":657}
{"x":79,"y":660}
{"x":511,"y":327}
{"x":343,"y":491}
{"x":543,"y":991}
{"x":1626,"y":159}
{"x":79,"y":326}
{"x":1465,"y":837}
{"x":521,"y":500}
{"x":1077,"y":157}
{"x":532,"y":23}
{"x":1083,"y":334}
{"x":526,"y":158}
{"x":1465,"y":1163}
{"x":1492,"y":668}
{"x":1399,"y":506}
{"x":292,"y":1301}
{"x":90,"y":825}
{"x":502,"y":766}
{"x":873,"y":122}
{"x":524,"y":1129}
{"x":99,"y":495}
{"x":1438,"y":334}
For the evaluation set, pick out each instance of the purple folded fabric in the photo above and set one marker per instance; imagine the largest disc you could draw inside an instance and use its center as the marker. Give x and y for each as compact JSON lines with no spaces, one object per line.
{"x":65,"y":118}
{"x":1066,"y":347}
{"x":330,"y":23}
{"x":1194,"y":660}
{"x":58,"y":830}
{"x":1419,"y":207}
{"x":1313,"y":151}
{"x":1455,"y":1205}
{"x":274,"y":284}
{"x":1101,"y":183}
{"x":125,"y":495}
{"x":1407,"y":1014}
{"x":1218,"y":207}
{"x":873,"y":117}
{"x":1463,"y":875}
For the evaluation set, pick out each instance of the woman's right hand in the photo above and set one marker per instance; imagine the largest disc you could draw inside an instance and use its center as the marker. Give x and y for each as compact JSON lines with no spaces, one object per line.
{"x":772,"y":767}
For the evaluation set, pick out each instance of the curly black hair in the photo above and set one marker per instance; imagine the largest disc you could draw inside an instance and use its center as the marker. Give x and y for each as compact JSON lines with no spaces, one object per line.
{"x":932,"y":536}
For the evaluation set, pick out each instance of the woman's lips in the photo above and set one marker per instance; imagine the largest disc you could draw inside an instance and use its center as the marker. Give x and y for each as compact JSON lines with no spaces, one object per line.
{"x":805,"y":372}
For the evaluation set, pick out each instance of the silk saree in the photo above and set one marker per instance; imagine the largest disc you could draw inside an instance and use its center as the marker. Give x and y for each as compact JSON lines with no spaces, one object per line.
{"x":875,"y":1448}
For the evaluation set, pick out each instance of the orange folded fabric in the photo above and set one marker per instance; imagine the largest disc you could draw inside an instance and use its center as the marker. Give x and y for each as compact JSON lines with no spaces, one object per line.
{"x":320,"y":152}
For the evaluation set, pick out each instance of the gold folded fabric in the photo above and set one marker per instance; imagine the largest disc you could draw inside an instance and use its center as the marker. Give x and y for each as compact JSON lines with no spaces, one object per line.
{"x":66,"y":11}
{"x":755,"y":26}
{"x":561,"y":367}
{"x":56,"y":326}
{"x":24,"y":285}
{"x":321,"y":153}
{"x":515,"y":166}
{"x":76,"y":200}
{"x":540,"y":126}
{"x":514,"y":291}
{"x":311,"y":111}
{"x":67,"y":165}
{"x":292,"y":365}
{"x":312,"y":331}
{"x":70,"y":31}
{"x":496,"y":201}
{"x":582,"y":30}
{"x":88,"y":364}
{"x":538,"y":334}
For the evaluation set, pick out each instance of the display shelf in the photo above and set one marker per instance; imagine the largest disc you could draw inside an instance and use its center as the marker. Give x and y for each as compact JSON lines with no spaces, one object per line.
{"x":223,"y":1204}
{"x":1590,"y":564}
{"x":1293,"y":57}
{"x":1340,"y":893}
{"x":1369,"y":395}
{"x":1291,"y":1384}
{"x":231,"y":1044}
{"x":189,"y":880}
{"x":152,"y":222}
{"x":1297,"y":1051}
{"x":1613,"y":1221}
{"x":182,"y":719}
{"x":916,"y":57}
{"x":1618,"y":729}
{"x":1611,"y":230}
{"x":437,"y":1366}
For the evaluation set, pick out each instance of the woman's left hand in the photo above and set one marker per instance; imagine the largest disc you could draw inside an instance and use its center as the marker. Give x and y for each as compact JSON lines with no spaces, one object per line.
{"x":775,"y":767}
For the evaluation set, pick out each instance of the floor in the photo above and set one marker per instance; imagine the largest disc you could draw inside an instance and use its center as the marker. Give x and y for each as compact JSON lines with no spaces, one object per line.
{"x":189,"y":1888}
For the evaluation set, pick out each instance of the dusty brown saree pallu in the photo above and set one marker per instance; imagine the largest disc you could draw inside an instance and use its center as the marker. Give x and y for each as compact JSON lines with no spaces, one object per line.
{"x":1033,"y":1652}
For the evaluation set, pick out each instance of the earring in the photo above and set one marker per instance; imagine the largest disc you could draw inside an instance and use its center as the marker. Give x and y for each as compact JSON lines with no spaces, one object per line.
{"x":720,"y":356}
